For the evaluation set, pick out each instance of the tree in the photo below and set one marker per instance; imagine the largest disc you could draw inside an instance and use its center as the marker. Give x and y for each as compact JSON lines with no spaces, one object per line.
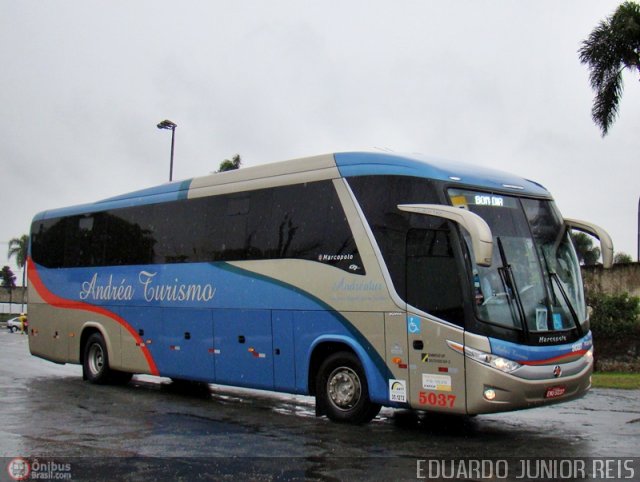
{"x":614,"y":45}
{"x":7,"y":278}
{"x":18,"y":248}
{"x":622,"y":258}
{"x":588,"y":254}
{"x":230,"y":165}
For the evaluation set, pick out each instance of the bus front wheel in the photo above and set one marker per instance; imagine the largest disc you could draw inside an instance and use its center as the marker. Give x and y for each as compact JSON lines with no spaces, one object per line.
{"x":342,"y":391}
{"x":95,"y":365}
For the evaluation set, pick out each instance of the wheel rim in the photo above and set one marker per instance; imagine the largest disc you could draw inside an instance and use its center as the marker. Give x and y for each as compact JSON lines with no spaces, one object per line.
{"x":344,"y":388}
{"x":95,"y":359}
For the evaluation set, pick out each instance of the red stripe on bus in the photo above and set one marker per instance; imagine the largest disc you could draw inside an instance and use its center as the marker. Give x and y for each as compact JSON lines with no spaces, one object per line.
{"x":58,"y":302}
{"x":549,"y":361}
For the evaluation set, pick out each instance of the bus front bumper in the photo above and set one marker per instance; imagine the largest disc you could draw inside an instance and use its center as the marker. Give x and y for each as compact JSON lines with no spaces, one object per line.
{"x":490,"y":390}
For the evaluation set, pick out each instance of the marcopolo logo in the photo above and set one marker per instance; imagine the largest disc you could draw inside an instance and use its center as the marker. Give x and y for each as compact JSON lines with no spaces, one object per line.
{"x":335,"y":257}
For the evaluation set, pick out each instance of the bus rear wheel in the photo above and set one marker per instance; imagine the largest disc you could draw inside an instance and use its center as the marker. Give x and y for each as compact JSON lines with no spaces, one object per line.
{"x":342,"y":391}
{"x":95,"y":365}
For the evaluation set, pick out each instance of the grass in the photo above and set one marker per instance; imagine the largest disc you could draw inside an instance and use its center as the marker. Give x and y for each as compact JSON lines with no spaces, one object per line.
{"x":627,"y":381}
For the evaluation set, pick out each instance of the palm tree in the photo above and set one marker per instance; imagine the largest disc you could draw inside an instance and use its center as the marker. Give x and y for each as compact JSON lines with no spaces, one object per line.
{"x":19,"y":247}
{"x":230,"y":165}
{"x":588,"y":254}
{"x":8,"y":280}
{"x":614,"y":45}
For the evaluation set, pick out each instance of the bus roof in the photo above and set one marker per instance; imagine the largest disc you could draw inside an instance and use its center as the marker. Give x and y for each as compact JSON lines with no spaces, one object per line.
{"x":366,"y":163}
{"x":344,"y":164}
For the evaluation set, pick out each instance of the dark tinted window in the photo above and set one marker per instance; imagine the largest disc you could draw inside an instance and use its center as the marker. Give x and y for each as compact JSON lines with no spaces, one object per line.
{"x":433,"y":280}
{"x":379,"y":197}
{"x":47,"y":242}
{"x":310,"y":224}
{"x":417,"y":249}
{"x":303,"y":221}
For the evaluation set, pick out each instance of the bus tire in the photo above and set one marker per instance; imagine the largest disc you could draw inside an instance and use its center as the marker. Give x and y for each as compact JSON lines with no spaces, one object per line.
{"x":342,"y":393}
{"x":95,"y":365}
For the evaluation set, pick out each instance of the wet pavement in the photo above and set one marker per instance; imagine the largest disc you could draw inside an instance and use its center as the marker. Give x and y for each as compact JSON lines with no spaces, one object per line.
{"x":153,"y":429}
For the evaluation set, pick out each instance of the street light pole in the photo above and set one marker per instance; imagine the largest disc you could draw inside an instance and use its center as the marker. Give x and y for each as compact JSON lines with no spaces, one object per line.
{"x":167,"y":124}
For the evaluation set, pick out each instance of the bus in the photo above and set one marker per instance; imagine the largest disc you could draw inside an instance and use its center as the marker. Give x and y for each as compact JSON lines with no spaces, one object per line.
{"x":362,"y":279}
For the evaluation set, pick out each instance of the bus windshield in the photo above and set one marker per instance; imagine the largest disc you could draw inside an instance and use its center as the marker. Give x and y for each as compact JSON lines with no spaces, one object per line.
{"x":533,"y":283}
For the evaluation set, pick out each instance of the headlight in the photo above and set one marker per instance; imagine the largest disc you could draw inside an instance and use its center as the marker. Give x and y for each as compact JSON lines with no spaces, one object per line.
{"x":589,"y":354}
{"x":496,"y":362}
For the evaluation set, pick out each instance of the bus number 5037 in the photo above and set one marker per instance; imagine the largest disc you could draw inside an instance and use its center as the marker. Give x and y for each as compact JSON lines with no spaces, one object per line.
{"x":437,"y":400}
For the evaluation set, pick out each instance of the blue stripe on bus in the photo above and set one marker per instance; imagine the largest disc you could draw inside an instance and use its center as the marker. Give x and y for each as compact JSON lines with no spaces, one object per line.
{"x":176,"y":188}
{"x":373,"y":363}
{"x":372,"y":163}
{"x":131,"y":291}
{"x":163,"y":193}
{"x":524,"y":353}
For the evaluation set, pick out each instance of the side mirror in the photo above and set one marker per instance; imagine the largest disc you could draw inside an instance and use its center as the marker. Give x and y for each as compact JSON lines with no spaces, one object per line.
{"x":606,"y":244}
{"x":478,"y":229}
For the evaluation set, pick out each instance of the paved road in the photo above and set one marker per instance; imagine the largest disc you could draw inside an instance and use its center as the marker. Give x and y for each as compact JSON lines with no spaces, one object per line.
{"x":150,"y":429}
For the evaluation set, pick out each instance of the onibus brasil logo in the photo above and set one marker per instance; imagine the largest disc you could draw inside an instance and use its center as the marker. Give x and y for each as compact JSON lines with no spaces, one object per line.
{"x":19,"y":469}
{"x":23,"y":469}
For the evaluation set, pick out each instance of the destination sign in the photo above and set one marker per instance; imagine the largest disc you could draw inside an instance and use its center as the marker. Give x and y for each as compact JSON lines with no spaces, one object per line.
{"x":465,"y":199}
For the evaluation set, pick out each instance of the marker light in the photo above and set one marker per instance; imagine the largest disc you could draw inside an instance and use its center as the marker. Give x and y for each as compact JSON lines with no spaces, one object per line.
{"x":496,"y":362}
{"x":489,"y":394}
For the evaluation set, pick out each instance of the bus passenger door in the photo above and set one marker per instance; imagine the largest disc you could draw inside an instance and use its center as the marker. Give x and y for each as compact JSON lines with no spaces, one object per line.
{"x":243,"y":348}
{"x":436,"y":371}
{"x":187,"y":342}
{"x":283,"y":351}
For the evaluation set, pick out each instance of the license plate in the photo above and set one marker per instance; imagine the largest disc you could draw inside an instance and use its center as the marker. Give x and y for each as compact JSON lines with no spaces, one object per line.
{"x":554,"y":392}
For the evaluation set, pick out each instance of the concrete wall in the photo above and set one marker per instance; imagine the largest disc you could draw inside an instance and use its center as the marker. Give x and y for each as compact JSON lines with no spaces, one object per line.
{"x":18,"y":295}
{"x":615,"y":353}
{"x":619,"y":279}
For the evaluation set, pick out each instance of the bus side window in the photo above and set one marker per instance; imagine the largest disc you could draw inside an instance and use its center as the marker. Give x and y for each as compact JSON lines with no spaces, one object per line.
{"x":78,"y":240}
{"x":47,"y":242}
{"x":433,"y":279}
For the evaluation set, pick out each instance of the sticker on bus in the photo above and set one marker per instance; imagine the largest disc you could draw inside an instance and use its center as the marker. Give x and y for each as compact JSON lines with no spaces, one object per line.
{"x":436,"y":382}
{"x":398,"y":390}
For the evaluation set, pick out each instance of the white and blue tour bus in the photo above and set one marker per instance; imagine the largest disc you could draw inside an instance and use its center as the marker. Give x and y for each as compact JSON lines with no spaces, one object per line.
{"x":363,"y":279}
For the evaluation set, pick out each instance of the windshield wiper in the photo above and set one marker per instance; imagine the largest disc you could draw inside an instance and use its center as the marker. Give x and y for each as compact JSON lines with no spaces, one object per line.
{"x":509,"y":281}
{"x":554,"y":276}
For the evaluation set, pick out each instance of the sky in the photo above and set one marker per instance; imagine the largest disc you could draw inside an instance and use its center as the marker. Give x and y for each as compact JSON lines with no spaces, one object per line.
{"x":83,"y":84}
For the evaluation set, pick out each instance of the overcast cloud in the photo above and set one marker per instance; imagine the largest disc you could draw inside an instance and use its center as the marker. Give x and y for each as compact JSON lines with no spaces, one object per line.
{"x":495,"y":83}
